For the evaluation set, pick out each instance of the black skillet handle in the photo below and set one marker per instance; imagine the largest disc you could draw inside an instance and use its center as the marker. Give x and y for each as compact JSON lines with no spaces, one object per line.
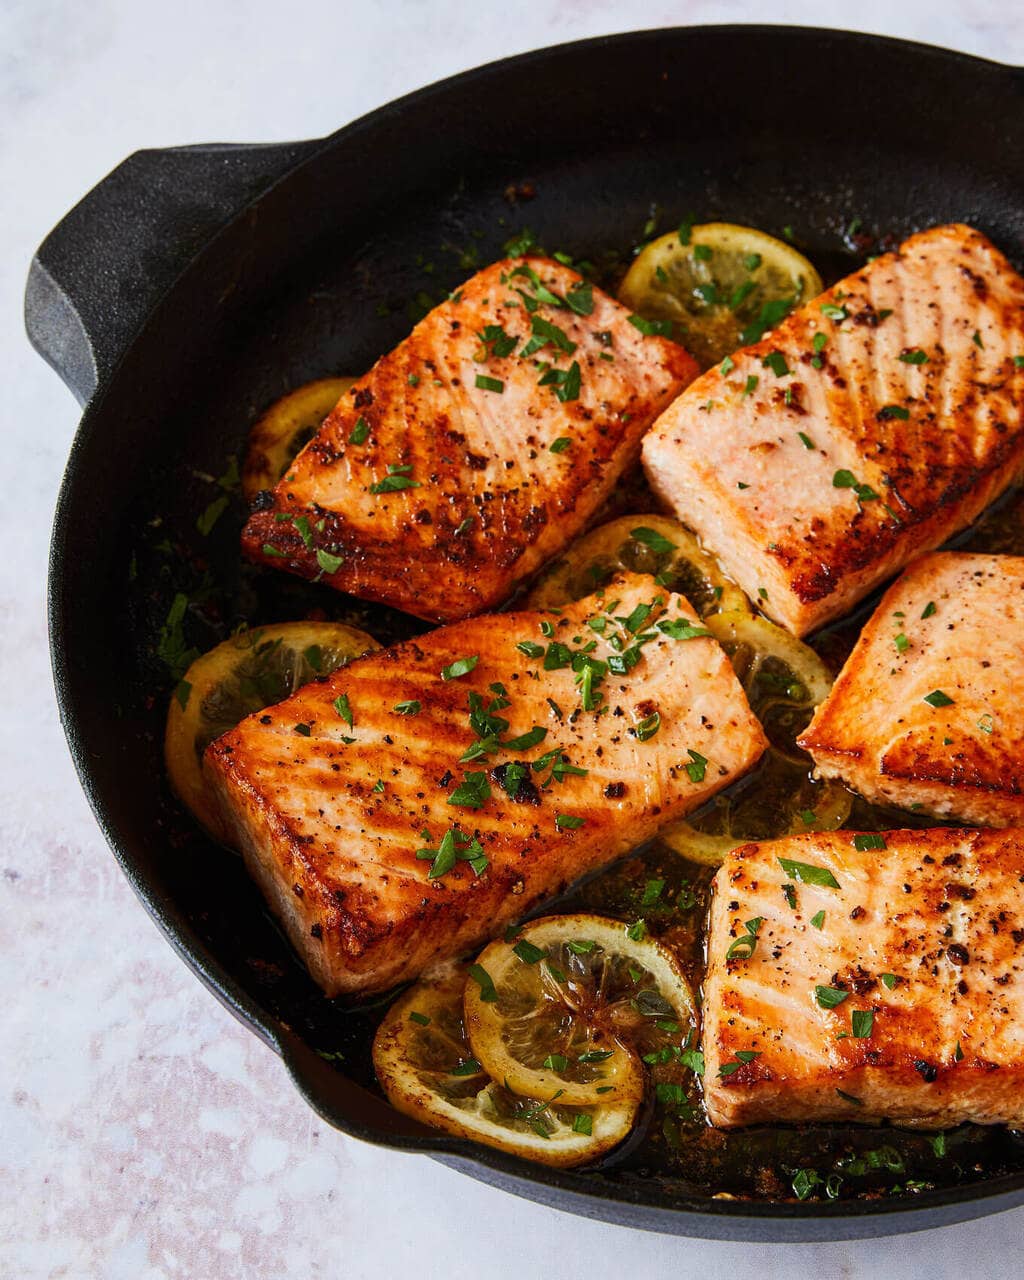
{"x":99,"y":273}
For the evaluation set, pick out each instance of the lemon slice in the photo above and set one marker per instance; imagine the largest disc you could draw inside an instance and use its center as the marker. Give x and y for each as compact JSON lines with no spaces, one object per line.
{"x":283,"y":430}
{"x":426,"y":1068}
{"x":722,"y":289}
{"x":570,"y":1006}
{"x":641,"y":544}
{"x":784,"y":681}
{"x":254,"y":669}
{"x":777,"y":799}
{"x":775,"y":669}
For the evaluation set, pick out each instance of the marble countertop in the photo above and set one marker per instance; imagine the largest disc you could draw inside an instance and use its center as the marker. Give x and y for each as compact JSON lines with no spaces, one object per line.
{"x":144,"y":1134}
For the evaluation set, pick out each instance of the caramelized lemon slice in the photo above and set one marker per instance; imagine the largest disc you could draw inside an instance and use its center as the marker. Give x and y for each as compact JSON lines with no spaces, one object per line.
{"x":784,"y":681}
{"x":720,"y":286}
{"x":571,"y":1005}
{"x":283,"y":430}
{"x":641,"y":544}
{"x":254,"y":669}
{"x":426,"y":1068}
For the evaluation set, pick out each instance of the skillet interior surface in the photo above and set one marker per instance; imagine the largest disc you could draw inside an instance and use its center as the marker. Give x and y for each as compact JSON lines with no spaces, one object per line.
{"x":325,"y":271}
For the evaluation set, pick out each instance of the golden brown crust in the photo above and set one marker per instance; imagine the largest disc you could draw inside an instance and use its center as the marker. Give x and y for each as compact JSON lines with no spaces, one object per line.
{"x":491,"y":502}
{"x":940,"y":913}
{"x":879,"y":729}
{"x":331,"y":828}
{"x":750,"y":458}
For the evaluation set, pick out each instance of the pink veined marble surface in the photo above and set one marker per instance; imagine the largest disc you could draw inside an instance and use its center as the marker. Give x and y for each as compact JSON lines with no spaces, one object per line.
{"x":143,"y":1133}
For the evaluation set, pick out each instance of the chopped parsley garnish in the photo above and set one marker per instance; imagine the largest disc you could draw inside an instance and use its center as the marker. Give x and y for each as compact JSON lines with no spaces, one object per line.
{"x":454,"y":847}
{"x":769,"y":315}
{"x":914,"y":356}
{"x":805,"y":440}
{"x":659,"y":544}
{"x":500,"y":343}
{"x":727,"y":365}
{"x":328,"y":561}
{"x":776,"y":361}
{"x":268,"y":550}
{"x":938,"y":699}
{"x":583,"y":1122}
{"x":681,"y":629}
{"x":565,"y":381}
{"x":420,"y":1019}
{"x":473,"y":791}
{"x":893,"y":411}
{"x":862,"y":1022}
{"x":544,"y":332}
{"x":871,"y":840}
{"x":580,"y":298}
{"x":211,"y":515}
{"x":808,"y":873}
{"x":652,"y":892}
{"x":567,"y":822}
{"x":844,"y":479}
{"x":303,"y":729}
{"x":344,"y":709}
{"x":398,"y":478}
{"x":697,"y":767}
{"x":702,"y":252}
{"x":527,"y":952}
{"x":410,"y":708}
{"x":889,"y":980}
{"x":830,"y":997}
{"x":652,"y":328}
{"x":468,"y":1067}
{"x":460,"y":667}
{"x":484,"y":383}
{"x":749,"y":387}
{"x":818,"y":919}
{"x":647,"y":727}
{"x":360,"y":432}
{"x":744,"y":946}
{"x":832,"y":312}
{"x":930,"y":608}
{"x":742,"y":1057}
{"x":485,"y":982}
{"x":901,"y":642}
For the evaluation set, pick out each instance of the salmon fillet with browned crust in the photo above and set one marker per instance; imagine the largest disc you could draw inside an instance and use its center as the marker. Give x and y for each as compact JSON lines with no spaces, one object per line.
{"x":926,"y":713}
{"x":416,"y":801}
{"x":882,"y":978}
{"x":872,"y":424}
{"x":476,"y":450}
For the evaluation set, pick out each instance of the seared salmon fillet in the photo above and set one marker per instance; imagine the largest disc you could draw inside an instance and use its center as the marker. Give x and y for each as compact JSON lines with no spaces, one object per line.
{"x":878,"y":984}
{"x":927,"y":713}
{"x":473,"y":452}
{"x":872,"y":424}
{"x":419,"y":799}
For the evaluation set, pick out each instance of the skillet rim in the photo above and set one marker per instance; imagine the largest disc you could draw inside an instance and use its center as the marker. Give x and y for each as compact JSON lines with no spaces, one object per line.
{"x":586,"y":1193}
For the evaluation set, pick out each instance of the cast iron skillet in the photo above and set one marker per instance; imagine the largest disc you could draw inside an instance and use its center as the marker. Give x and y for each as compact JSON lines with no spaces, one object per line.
{"x":194,"y":285}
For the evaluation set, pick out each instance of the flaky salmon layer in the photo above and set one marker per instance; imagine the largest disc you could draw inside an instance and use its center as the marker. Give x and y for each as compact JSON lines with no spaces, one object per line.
{"x":613,"y":719}
{"x":927,"y":713}
{"x":472,"y":453}
{"x":872,"y":424}
{"x":884,"y":983}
